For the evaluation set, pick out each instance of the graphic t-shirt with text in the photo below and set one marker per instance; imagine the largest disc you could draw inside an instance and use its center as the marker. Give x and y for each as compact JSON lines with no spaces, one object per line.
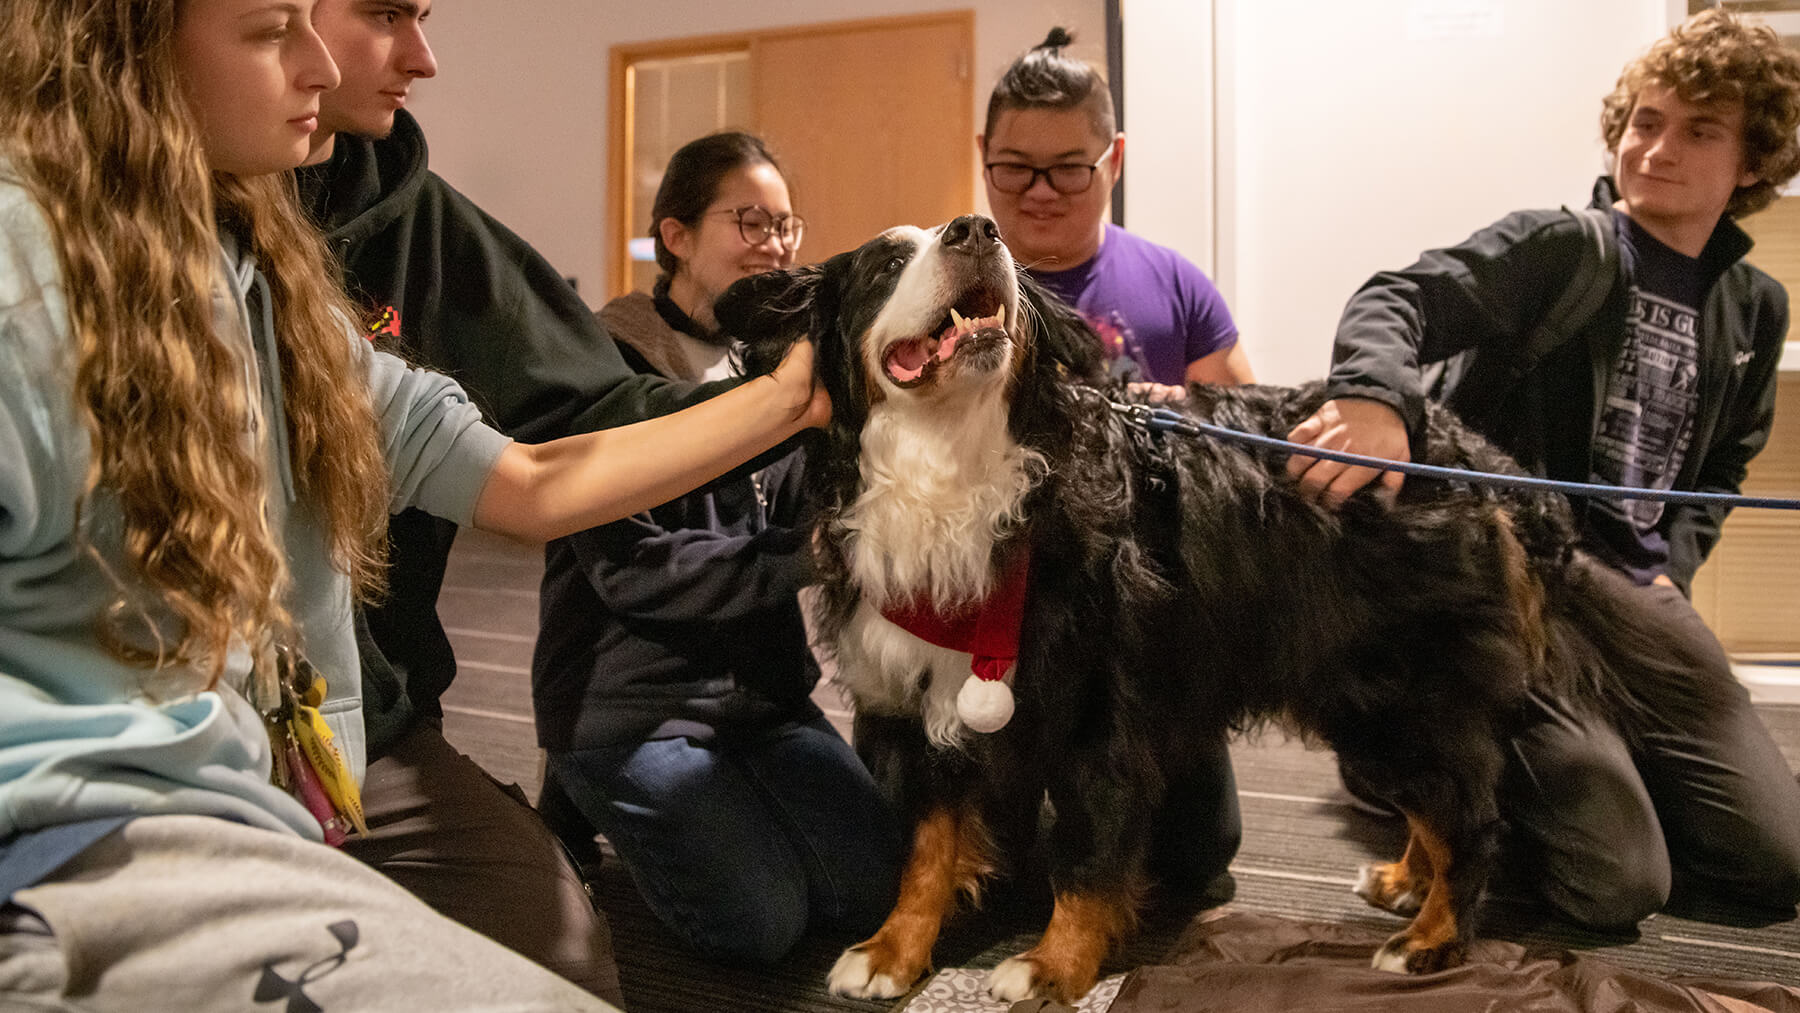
{"x":1646,"y":418}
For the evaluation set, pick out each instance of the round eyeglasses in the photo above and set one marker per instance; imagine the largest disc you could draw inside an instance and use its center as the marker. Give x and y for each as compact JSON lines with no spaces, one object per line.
{"x":1065,"y":178}
{"x":756,"y":224}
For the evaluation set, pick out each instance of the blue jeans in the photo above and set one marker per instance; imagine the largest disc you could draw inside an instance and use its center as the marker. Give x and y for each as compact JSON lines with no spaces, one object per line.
{"x":741,"y":846}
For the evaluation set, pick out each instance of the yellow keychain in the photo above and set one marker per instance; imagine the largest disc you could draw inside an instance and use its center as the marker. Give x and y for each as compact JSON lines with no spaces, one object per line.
{"x":306,"y":763}
{"x":313,"y":736}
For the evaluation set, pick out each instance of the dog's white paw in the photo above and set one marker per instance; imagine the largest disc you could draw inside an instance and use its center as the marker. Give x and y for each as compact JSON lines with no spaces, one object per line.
{"x":1014,"y":979}
{"x":853,"y":976}
{"x":1371,"y":887}
{"x":1391,"y":957}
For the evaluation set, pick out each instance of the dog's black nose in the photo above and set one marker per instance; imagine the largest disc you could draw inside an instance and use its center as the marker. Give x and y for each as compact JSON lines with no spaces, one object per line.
{"x":971,"y":234}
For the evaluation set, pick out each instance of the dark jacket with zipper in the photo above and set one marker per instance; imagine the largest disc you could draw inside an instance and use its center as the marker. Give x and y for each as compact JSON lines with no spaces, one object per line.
{"x":447,"y":287}
{"x":1491,"y":291}
{"x":682,"y":621}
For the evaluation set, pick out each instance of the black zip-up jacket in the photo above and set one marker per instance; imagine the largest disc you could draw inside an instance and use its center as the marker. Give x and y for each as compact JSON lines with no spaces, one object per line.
{"x":684,"y":620}
{"x":449,"y":288}
{"x":1489,"y":292}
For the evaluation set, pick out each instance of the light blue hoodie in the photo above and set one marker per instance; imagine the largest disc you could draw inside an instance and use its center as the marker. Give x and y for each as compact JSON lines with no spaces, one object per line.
{"x":83,"y":735}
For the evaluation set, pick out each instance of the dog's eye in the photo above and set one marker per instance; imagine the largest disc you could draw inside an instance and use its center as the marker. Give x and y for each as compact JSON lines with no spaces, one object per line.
{"x":893,"y":264}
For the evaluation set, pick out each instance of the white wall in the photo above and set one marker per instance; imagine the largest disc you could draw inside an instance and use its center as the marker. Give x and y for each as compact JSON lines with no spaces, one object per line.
{"x":1169,"y":125}
{"x":1291,"y":148}
{"x":1355,"y":135}
{"x":517,"y":118}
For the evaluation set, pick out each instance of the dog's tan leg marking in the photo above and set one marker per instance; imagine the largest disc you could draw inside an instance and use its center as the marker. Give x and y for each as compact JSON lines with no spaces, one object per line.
{"x":1433,"y":941}
{"x":1066,"y":962}
{"x":949,"y":854}
{"x":1400,"y":887}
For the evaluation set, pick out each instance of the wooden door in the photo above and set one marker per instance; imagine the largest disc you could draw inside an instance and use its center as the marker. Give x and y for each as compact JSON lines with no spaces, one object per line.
{"x":1749,"y":589}
{"x":873,"y":121}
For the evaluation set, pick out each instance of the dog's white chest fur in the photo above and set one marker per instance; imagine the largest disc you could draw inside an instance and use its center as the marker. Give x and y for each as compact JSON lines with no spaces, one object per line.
{"x":940,"y":489}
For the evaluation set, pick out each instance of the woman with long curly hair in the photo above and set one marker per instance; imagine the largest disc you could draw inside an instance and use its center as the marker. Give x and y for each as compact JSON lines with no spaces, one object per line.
{"x":196,"y":454}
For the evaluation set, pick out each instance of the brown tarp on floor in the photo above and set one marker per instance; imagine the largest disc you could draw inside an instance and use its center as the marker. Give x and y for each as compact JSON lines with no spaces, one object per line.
{"x":1237,"y":962}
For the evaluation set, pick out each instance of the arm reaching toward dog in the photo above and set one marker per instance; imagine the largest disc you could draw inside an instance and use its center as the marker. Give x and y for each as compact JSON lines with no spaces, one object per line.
{"x":1229,"y":365}
{"x":1352,"y":425}
{"x":548,"y":490}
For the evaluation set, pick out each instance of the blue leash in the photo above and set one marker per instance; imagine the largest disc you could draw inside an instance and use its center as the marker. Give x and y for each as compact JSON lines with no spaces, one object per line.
{"x":1170,"y":421}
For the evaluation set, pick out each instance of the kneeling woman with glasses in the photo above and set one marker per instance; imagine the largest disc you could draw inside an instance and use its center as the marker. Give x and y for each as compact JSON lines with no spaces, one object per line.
{"x":672,"y":679}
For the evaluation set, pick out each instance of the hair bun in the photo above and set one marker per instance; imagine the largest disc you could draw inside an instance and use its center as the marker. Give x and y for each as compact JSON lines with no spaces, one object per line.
{"x":1058,"y":38}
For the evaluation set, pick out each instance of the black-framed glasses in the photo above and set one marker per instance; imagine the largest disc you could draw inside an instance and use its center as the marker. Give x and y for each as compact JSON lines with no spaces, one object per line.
{"x":1066,"y":178}
{"x":756,"y":224}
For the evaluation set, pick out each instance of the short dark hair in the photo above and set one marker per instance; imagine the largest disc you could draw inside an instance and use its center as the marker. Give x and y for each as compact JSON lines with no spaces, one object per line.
{"x":692,"y":180}
{"x":1714,"y":56}
{"x":1046,"y":79}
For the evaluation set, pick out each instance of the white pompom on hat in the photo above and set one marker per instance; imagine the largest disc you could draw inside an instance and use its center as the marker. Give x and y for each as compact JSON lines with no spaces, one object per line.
{"x":988,"y":631}
{"x":985,"y":705}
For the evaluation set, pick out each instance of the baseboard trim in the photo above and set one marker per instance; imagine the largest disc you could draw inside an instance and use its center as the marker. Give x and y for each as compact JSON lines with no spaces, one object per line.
{"x":1775,"y":682}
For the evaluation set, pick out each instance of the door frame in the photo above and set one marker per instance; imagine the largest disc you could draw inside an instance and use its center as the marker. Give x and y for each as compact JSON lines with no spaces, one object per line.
{"x":621,"y":103}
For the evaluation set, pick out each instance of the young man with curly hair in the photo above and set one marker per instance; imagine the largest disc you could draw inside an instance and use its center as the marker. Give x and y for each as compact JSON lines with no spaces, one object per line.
{"x":1669,"y":384}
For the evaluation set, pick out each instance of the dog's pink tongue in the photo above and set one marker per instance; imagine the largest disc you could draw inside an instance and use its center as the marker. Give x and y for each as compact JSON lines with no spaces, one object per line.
{"x":906,"y":360}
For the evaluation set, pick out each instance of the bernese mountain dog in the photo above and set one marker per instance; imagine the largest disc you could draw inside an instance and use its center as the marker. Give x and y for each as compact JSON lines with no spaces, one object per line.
{"x":1030,"y":595}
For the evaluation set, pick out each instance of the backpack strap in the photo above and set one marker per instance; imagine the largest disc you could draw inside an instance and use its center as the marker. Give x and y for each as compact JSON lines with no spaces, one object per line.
{"x":1584,"y":295}
{"x":1590,"y":284}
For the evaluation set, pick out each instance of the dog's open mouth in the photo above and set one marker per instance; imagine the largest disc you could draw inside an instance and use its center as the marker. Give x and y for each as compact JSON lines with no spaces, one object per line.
{"x":974,"y":319}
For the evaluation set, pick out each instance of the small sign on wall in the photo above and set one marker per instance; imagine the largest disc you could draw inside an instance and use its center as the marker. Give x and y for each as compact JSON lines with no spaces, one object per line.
{"x":1430,"y":20}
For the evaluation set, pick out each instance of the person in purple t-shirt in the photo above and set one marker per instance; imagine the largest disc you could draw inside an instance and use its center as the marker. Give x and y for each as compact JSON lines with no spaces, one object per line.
{"x":1052,"y":152}
{"x":1051,"y":155}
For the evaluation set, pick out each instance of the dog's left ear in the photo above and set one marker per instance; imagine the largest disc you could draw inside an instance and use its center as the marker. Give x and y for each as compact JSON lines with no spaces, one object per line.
{"x":768,"y":313}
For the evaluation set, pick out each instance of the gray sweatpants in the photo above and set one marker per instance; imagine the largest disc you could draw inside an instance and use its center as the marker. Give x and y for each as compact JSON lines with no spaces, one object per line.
{"x":479,"y":855}
{"x":199,"y":914}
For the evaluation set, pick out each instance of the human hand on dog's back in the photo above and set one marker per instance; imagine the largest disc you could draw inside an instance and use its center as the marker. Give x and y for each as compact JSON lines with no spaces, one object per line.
{"x":1158,"y":393}
{"x":1351,"y":425}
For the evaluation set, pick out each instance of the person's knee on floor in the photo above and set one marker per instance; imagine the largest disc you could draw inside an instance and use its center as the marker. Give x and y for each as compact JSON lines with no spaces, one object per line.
{"x":755,"y":923}
{"x":1611,"y":903}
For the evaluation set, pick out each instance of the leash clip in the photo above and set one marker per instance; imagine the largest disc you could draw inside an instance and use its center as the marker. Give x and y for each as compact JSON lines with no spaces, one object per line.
{"x":1156,"y":420}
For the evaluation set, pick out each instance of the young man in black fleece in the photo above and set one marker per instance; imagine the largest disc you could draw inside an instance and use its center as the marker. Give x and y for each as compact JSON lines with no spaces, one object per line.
{"x":448,"y":287}
{"x":1669,"y":385}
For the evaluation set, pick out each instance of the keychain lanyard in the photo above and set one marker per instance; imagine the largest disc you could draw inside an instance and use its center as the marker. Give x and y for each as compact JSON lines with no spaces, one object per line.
{"x":307,"y":764}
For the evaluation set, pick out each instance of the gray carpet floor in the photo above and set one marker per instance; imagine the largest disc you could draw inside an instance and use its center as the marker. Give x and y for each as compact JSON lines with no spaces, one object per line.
{"x":1302,"y":844}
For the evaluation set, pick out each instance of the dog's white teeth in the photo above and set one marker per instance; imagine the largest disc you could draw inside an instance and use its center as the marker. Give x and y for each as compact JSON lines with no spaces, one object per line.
{"x":1000,"y":317}
{"x":957,"y":321}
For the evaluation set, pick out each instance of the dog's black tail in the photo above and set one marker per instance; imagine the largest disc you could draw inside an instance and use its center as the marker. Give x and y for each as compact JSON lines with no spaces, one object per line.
{"x":1613,"y":648}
